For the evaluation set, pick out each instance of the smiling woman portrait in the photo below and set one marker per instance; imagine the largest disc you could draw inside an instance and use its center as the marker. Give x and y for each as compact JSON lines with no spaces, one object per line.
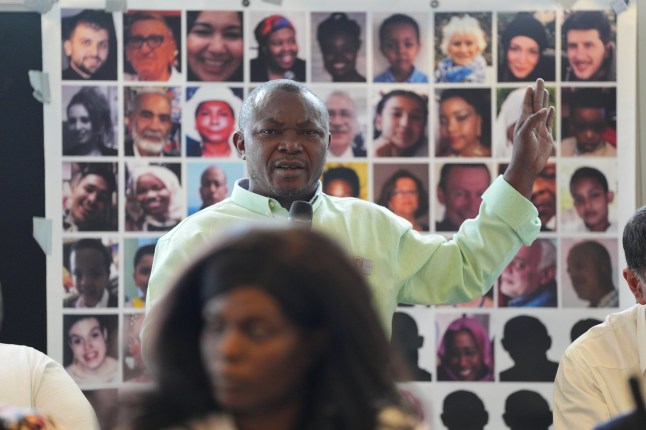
{"x":88,"y":358}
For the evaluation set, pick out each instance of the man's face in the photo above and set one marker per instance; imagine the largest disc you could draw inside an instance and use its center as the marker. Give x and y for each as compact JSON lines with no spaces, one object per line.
{"x":522,"y":277}
{"x":544,"y":194}
{"x":284,"y":144}
{"x":87,"y":49}
{"x":343,"y":122}
{"x":463,"y":194}
{"x":584,"y":274}
{"x":151,"y":63}
{"x":90,"y":275}
{"x":213,"y":186}
{"x":586,"y":52}
{"x":90,"y":199}
{"x":340,"y":55}
{"x":591,"y":203}
{"x":282,"y":49}
{"x":142,"y":271}
{"x":151,"y":124}
{"x":589,"y":124}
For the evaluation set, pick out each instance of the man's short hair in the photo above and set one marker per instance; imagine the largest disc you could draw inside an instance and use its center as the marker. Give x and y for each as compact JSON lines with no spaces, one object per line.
{"x":634,"y":242}
{"x":143,"y":251}
{"x":344,"y":174}
{"x":446,"y":170}
{"x":595,"y":98}
{"x":397,"y":19}
{"x":587,"y":172}
{"x":97,"y":245}
{"x":95,"y":19}
{"x":148,"y":90}
{"x":250,"y":102}
{"x":131,"y":18}
{"x":600,"y":258}
{"x":589,"y":20}
{"x":104,"y":170}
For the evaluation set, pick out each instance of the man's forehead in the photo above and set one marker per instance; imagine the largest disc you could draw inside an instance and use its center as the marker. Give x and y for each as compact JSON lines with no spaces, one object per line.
{"x":586,"y":34}
{"x":273,"y":105}
{"x":154,"y":100}
{"x":148,"y":26}
{"x":84,"y":30}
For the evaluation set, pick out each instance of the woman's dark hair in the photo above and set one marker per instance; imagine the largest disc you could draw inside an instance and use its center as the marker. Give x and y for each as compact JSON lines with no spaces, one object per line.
{"x":98,"y":108}
{"x":389,"y":187}
{"x":336,"y":23}
{"x":316,"y":287}
{"x":106,"y":322}
{"x":524,"y":24}
{"x":480,"y":100}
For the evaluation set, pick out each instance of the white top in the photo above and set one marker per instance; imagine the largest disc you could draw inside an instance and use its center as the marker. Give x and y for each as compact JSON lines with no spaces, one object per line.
{"x":592,"y":381}
{"x":31,"y":379}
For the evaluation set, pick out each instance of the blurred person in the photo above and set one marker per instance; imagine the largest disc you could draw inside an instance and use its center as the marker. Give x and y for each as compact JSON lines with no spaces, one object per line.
{"x":347,"y":140}
{"x":460,"y":190}
{"x":88,"y":206}
{"x":277,"y":51}
{"x":590,"y":270}
{"x":591,"y":385}
{"x":465,"y":352}
{"x":214,"y":46}
{"x":89,"y":44}
{"x":406,"y":339}
{"x":283,"y":138}
{"x":151,"y":49}
{"x":454,"y":411}
{"x":463,"y":42}
{"x":523,"y":46}
{"x":90,"y":262}
{"x":399,"y":43}
{"x":405,"y":195}
{"x":590,"y":50}
{"x":213,"y":186}
{"x":154,"y":199}
{"x":464,"y":118}
{"x":341,"y":181}
{"x":149,"y":124}
{"x":400,"y":125}
{"x":143,"y":264}
{"x":252,"y":332}
{"x":31,"y":379}
{"x":590,"y":124}
{"x":211,"y":115}
{"x":339,"y":38}
{"x":134,"y":368}
{"x":88,"y":126}
{"x":527,"y":410}
{"x":591,"y":199}
{"x":529,"y":280}
{"x":87,"y":339}
{"x":526,"y":340}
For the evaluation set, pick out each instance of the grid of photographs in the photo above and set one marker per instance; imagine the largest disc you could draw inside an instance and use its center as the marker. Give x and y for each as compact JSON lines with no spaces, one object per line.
{"x":422,"y":112}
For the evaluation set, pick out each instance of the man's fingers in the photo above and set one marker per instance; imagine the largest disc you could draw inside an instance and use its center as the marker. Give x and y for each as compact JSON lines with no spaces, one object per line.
{"x":533,"y":121}
{"x":546,"y":98}
{"x":550,"y":119}
{"x":528,"y":108}
{"x":538,"y":95}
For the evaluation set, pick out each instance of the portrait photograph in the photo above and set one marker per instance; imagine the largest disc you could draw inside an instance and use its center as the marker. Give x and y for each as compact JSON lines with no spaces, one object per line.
{"x":463,"y":48}
{"x":137,"y":264}
{"x":134,"y":369}
{"x":209,"y":183}
{"x":345,"y":179}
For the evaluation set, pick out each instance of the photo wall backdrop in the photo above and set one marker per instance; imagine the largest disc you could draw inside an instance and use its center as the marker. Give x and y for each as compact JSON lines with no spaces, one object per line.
{"x":422,"y":104}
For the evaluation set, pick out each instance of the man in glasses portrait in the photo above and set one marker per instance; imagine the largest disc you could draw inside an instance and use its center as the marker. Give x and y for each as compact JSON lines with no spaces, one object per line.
{"x":591,"y":111}
{"x":151,"y":49}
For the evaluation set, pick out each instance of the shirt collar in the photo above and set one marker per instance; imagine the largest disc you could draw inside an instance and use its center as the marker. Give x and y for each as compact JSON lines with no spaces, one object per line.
{"x":266,"y":206}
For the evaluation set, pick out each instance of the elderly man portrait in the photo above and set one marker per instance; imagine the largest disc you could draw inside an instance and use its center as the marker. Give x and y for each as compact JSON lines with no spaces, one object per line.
{"x":284,"y":136}
{"x":151,"y":50}
{"x":347,"y":140}
{"x":89,"y":44}
{"x":150,"y":124}
{"x":530,"y":279}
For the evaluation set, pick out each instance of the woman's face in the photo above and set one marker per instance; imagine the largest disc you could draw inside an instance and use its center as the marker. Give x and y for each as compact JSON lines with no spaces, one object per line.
{"x":214,"y":121}
{"x":460,"y":124}
{"x":340,"y":55}
{"x":254,"y":356}
{"x":404,"y":200}
{"x":79,"y":124}
{"x":522,"y":56}
{"x":152,"y":195}
{"x":281,"y":49}
{"x":465,"y":358}
{"x":214,"y":47}
{"x":401,"y":121}
{"x":88,"y":343}
{"x":463,"y":48}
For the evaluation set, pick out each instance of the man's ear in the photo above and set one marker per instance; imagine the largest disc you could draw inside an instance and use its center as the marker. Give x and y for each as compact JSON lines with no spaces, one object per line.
{"x":611,"y":196}
{"x":378,"y":123}
{"x":67,"y":46}
{"x":608,"y":48}
{"x":546,"y":275}
{"x":239,"y":143}
{"x":635,"y":285}
{"x":440,"y":195}
{"x":329,"y":140}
